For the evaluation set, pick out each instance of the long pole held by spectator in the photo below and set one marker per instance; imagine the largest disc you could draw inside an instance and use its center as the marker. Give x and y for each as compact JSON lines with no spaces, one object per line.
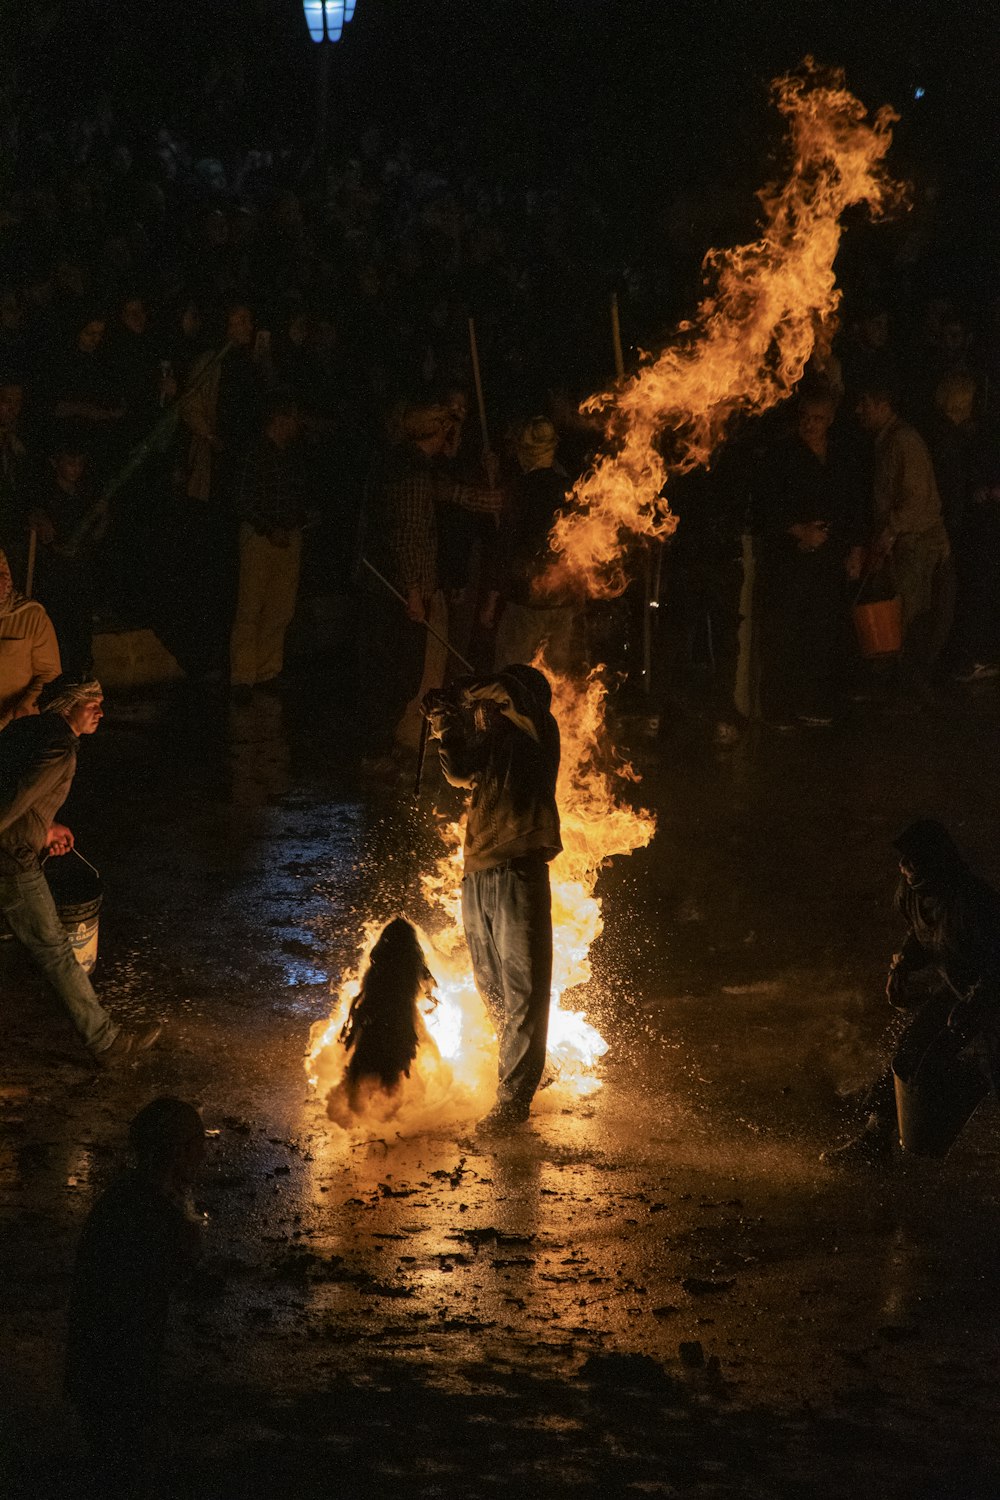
{"x":442,"y":639}
{"x":651,"y":575}
{"x":477,"y":376}
{"x":616,"y":338}
{"x":96,"y":517}
{"x":29,"y":581}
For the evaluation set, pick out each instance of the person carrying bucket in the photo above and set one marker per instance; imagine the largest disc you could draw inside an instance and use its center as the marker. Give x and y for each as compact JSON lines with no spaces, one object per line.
{"x":37,"y":765}
{"x":948,"y":974}
{"x":909,"y":535}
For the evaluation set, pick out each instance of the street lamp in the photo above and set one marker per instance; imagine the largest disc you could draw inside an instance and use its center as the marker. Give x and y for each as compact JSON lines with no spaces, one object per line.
{"x":326,"y":20}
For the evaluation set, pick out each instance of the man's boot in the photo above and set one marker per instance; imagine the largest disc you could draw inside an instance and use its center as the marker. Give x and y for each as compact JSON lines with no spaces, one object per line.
{"x":127,"y":1047}
{"x":503,"y":1119}
{"x":874,"y":1147}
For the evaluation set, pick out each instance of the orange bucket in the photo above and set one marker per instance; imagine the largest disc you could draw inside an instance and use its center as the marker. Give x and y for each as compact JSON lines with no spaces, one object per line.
{"x":879,"y":627}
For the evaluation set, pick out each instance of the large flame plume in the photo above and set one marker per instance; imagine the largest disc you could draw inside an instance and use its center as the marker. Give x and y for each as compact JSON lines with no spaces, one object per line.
{"x":746,"y":347}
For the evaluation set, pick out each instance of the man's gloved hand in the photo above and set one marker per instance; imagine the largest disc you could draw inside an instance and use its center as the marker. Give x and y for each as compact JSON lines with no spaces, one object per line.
{"x":895,"y":984}
{"x":440,"y":709}
{"x":437,"y":700}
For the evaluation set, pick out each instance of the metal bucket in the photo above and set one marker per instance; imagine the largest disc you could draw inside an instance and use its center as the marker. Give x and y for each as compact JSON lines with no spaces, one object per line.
{"x":938,"y":1101}
{"x":78,"y":897}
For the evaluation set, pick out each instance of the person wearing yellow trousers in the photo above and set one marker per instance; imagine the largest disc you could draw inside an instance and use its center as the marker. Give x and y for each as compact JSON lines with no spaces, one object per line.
{"x":271,"y":508}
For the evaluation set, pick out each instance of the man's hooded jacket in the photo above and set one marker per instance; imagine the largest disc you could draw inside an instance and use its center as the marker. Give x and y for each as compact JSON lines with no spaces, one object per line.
{"x":503,"y":745}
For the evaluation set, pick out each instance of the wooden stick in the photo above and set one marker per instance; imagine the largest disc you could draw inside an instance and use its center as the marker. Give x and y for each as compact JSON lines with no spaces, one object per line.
{"x":29,"y":581}
{"x":477,"y":376}
{"x":442,"y":640}
{"x":616,"y":338}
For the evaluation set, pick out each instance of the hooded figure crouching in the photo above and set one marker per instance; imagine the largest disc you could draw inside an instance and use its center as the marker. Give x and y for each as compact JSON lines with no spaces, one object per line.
{"x":947,"y":974}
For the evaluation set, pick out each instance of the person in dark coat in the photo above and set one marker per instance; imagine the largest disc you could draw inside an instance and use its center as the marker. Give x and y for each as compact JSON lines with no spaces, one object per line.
{"x":804,"y":524}
{"x":500,"y":741}
{"x":530,"y":618}
{"x":947,"y":974}
{"x":139,"y":1243}
{"x":83,"y":388}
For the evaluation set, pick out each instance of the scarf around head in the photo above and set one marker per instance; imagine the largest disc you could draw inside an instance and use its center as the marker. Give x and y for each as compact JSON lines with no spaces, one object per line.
{"x":15,"y":598}
{"x":537,"y":442}
{"x":74,"y":693}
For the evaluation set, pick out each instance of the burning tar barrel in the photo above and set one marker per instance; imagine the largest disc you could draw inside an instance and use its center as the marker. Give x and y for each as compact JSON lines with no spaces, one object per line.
{"x":76,"y":890}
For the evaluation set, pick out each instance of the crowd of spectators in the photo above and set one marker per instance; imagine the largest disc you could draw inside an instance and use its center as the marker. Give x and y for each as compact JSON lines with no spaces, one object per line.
{"x":221,"y":374}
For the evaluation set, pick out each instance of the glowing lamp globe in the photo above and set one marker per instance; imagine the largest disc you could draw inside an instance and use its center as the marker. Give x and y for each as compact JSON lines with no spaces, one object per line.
{"x":349,"y":6}
{"x":325,"y":18}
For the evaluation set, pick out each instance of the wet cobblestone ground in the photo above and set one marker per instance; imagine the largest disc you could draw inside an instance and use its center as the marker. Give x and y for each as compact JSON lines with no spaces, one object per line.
{"x":659,"y":1292}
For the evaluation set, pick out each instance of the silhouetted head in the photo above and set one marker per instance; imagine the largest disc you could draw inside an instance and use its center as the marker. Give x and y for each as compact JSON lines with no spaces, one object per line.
{"x":397,"y":941}
{"x":927,"y":851}
{"x":168,"y":1138}
{"x":381,"y":1031}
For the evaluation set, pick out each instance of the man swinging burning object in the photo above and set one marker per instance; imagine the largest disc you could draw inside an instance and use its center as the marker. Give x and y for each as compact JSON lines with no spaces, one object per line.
{"x":500,"y":741}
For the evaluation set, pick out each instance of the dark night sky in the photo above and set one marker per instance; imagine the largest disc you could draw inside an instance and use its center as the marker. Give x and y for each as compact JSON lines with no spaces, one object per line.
{"x":640,"y":55}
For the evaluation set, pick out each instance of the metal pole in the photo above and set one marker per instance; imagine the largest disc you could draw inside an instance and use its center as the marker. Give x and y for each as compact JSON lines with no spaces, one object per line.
{"x":477,"y":376}
{"x":443,"y":640}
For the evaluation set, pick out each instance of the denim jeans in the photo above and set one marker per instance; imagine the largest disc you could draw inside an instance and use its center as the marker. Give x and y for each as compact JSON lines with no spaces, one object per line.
{"x":507,"y":914}
{"x":26,"y":902}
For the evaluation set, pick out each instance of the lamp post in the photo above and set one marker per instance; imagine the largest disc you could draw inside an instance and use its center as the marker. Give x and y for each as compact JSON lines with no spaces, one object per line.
{"x":326,"y":20}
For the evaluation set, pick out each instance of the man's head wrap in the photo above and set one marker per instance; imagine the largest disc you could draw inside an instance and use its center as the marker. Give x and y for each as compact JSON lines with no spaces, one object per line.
{"x":537,"y":442}
{"x":14,"y":597}
{"x":533,"y":681}
{"x":73,"y":693}
{"x":422,"y":421}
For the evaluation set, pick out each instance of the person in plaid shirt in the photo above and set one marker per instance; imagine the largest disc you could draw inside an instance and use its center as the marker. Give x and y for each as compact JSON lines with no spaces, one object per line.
{"x":399,"y":536}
